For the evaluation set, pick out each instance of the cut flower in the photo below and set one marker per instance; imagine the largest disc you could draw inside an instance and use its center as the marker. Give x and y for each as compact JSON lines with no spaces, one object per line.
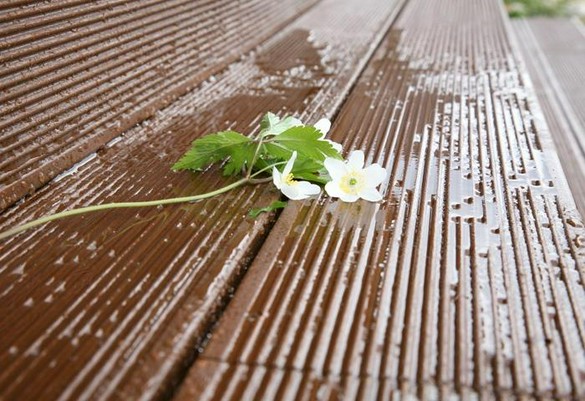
{"x":350,"y":181}
{"x":290,"y":187}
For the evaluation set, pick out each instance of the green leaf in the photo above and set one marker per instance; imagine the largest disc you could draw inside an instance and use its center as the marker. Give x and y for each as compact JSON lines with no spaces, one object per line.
{"x":307,"y":142}
{"x":269,"y":120}
{"x":213,"y":148}
{"x":272,"y":125}
{"x":255,"y":212}
{"x":276,"y":151}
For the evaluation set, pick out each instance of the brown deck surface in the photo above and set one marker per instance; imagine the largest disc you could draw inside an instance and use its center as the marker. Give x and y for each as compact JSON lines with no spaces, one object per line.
{"x":76,"y":74}
{"x":467,"y":281}
{"x":554,"y":50}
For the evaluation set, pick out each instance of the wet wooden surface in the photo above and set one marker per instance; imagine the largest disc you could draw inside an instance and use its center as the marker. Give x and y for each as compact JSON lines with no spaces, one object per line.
{"x":466,"y":281}
{"x":554,"y":52}
{"x":130,"y":296}
{"x":77,"y":74}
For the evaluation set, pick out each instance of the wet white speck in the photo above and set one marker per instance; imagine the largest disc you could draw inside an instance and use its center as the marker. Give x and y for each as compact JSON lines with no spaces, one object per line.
{"x":29,"y":302}
{"x":59,"y":261}
{"x":13,"y":350}
{"x":49,"y":298}
{"x":112,"y":253}
{"x":76,"y":259}
{"x":99,"y":333}
{"x":92,"y":246}
{"x":19,"y":271}
{"x":85,"y":330}
{"x":61,"y":287}
{"x":7,"y":291}
{"x":34,"y":349}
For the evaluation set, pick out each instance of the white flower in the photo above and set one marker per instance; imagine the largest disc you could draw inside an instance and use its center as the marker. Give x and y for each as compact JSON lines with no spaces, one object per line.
{"x":293,"y":189}
{"x":351,"y":181}
{"x":323,"y":126}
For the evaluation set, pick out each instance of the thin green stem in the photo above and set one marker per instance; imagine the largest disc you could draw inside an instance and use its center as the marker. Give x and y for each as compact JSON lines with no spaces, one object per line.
{"x":118,"y":205}
{"x":251,"y":166}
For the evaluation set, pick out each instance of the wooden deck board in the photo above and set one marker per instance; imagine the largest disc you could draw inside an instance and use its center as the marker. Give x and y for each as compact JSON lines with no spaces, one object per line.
{"x":554,"y":51}
{"x":74,"y":78}
{"x":468,"y":277}
{"x":222,"y":381}
{"x":114,"y":305}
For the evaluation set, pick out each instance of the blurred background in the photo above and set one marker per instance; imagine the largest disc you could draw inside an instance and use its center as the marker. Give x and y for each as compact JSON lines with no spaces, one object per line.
{"x":551,"y":8}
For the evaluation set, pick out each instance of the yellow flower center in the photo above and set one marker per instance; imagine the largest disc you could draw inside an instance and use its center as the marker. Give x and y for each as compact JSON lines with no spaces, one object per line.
{"x":288,"y":180}
{"x":352,"y":183}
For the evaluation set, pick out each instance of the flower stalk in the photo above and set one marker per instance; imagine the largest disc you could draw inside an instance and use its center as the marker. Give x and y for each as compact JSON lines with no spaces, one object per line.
{"x":123,"y":205}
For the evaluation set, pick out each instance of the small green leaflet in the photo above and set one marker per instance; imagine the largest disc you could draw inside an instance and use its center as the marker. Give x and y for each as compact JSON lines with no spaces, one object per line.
{"x":268,"y":121}
{"x":255,"y":212}
{"x":272,"y":125}
{"x":213,"y":148}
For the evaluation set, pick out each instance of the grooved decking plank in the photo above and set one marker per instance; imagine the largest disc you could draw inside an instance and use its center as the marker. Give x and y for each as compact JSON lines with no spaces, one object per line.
{"x":114,"y":305}
{"x":554,"y":50}
{"x":250,"y":382}
{"x":75,"y":77}
{"x":468,"y":278}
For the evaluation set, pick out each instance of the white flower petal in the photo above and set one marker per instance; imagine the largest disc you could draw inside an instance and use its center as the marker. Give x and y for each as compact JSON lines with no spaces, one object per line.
{"x":348,"y":197}
{"x":307,"y":188}
{"x":332,"y":189}
{"x":370,"y":194}
{"x":300,"y":190}
{"x":289,"y":165}
{"x":374,"y":175}
{"x":323,"y":125}
{"x":291,"y":192}
{"x":336,"y":168}
{"x":356,"y":160}
{"x":276,"y":177}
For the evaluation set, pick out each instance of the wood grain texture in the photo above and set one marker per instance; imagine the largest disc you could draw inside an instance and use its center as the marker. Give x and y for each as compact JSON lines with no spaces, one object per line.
{"x":76,"y":74}
{"x":114,"y":305}
{"x":227,"y":381}
{"x":467,"y":282}
{"x":554,"y":50}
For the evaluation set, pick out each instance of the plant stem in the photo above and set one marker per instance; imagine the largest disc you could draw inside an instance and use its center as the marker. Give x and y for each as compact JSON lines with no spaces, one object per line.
{"x":118,"y":205}
{"x":251,"y":166}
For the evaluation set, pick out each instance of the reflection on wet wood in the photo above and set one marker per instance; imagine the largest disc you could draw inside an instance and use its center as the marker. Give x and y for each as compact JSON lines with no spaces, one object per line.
{"x":114,"y":305}
{"x":468,"y":281}
{"x":554,"y":51}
